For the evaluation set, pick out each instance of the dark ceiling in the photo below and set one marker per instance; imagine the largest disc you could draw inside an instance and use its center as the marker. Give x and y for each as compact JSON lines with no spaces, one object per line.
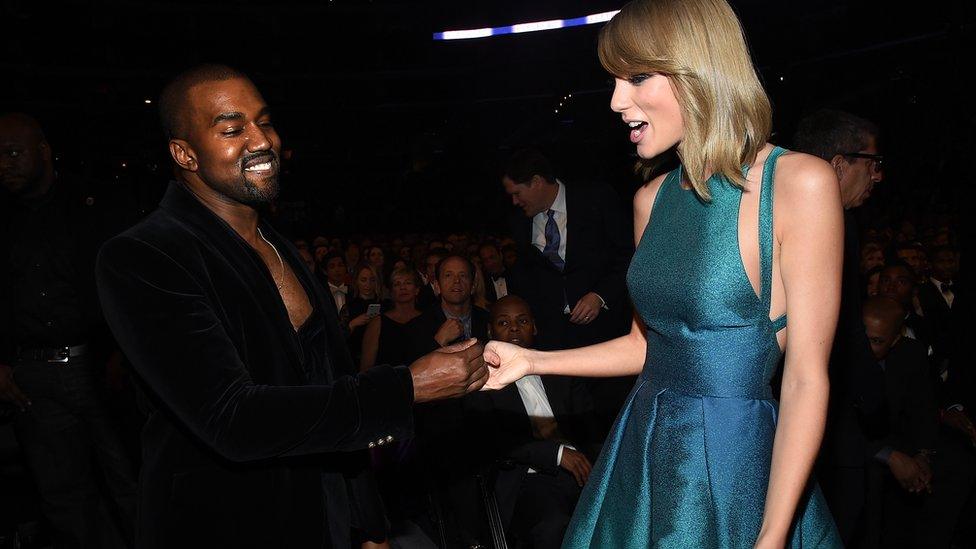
{"x":360,"y":86}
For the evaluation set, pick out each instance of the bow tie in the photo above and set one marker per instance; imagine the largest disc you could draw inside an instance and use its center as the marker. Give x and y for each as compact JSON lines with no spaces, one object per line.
{"x":344,"y":289}
{"x":946,"y":287}
{"x":495,"y":277}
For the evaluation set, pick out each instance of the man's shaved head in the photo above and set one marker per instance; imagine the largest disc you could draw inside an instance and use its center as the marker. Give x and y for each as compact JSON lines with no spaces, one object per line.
{"x":883,"y":321}
{"x":511,"y":321}
{"x":885,"y":309}
{"x":174,"y":100}
{"x":26,"y":124}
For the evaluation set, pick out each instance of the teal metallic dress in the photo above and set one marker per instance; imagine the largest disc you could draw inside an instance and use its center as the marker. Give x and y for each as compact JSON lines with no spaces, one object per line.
{"x":687,"y":462}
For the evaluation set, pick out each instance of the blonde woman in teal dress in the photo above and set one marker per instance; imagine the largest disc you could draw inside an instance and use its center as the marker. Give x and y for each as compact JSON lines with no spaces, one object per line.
{"x":741,"y":237}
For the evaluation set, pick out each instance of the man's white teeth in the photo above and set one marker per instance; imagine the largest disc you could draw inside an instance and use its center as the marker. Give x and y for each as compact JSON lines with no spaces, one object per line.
{"x":259,"y":167}
{"x":635,"y":123}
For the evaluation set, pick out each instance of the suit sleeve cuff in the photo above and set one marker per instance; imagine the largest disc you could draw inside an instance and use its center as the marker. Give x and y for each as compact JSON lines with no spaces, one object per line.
{"x":386,"y":405}
{"x":884,"y":454}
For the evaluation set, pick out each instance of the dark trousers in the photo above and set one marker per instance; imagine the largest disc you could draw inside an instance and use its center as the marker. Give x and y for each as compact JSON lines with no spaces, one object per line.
{"x":64,"y":434}
{"x":844,"y":489}
{"x":544,"y":507}
{"x":948,"y":514}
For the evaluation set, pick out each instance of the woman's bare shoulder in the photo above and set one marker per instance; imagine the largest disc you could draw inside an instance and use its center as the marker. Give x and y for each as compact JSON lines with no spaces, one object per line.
{"x":802,"y":177}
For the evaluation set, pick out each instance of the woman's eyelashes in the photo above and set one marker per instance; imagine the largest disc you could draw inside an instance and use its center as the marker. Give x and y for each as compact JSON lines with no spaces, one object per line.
{"x":638,"y":78}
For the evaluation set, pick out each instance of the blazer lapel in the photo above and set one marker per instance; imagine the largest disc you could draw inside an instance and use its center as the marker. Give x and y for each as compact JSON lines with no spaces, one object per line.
{"x":556,"y":395}
{"x":224,"y":242}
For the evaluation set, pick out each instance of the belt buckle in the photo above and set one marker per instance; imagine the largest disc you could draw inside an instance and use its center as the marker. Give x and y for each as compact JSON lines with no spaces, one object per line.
{"x":62,"y":356}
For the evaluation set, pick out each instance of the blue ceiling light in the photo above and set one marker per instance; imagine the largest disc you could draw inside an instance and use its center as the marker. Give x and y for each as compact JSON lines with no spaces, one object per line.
{"x":525,"y":27}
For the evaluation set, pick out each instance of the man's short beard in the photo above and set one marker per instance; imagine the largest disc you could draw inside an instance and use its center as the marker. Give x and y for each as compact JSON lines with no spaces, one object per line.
{"x":243,"y":191}
{"x":250,"y":195}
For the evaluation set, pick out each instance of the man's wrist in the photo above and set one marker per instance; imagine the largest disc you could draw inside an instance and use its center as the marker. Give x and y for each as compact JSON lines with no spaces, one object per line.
{"x":559,"y":454}
{"x":406,"y":377}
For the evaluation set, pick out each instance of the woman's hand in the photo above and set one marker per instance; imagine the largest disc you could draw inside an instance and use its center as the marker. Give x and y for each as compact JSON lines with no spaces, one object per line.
{"x":360,"y":320}
{"x":507,"y":364}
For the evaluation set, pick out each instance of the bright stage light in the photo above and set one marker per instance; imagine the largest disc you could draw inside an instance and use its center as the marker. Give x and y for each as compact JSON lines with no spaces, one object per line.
{"x":525,"y":27}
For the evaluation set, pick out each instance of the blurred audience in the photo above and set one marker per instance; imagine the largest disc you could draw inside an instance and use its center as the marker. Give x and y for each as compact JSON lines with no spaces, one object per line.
{"x":365,"y":304}
{"x":388,"y":337}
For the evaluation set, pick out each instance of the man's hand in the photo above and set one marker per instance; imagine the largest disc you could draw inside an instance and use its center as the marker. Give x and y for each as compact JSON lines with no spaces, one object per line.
{"x":577,"y":465}
{"x":586,"y":309}
{"x":449,"y":331}
{"x":449,"y":372}
{"x":9,"y":391}
{"x":925,"y":467}
{"x":958,"y":421}
{"x":907,"y":472}
{"x":507,"y":364}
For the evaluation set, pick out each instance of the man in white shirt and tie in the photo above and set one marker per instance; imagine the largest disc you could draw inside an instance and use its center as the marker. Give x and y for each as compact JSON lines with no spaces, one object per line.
{"x":334,"y":266}
{"x":574,"y":247}
{"x":496,"y":286}
{"x":538,"y":431}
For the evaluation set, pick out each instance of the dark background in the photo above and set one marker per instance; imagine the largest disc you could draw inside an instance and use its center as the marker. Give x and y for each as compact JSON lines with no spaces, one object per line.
{"x":389,"y":131}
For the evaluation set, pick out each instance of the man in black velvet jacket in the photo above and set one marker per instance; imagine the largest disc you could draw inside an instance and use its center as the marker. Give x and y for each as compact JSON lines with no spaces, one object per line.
{"x":235,"y":345}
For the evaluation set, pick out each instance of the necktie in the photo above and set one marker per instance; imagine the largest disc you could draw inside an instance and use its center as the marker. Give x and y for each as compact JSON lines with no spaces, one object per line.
{"x":551,"y":250}
{"x":946,"y":287}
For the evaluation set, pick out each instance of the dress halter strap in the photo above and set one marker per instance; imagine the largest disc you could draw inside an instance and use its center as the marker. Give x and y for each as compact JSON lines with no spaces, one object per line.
{"x":766,"y":234}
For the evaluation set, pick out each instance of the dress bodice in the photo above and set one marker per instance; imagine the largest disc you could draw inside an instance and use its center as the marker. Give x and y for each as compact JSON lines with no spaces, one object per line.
{"x":708,"y":333}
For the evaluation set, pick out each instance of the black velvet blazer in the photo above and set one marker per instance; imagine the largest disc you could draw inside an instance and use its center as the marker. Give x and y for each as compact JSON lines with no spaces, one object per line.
{"x":235,"y":451}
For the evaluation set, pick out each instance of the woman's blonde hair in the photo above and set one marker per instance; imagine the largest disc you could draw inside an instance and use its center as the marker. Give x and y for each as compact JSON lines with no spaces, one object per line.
{"x":700,"y":47}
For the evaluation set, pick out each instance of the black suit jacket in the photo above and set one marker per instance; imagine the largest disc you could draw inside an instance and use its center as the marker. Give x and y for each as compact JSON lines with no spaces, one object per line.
{"x":228,"y":448}
{"x":427,"y":298}
{"x":912,"y":415}
{"x":939,"y":319}
{"x":503,"y":432}
{"x":490,"y":293}
{"x":934,"y":306}
{"x":957,"y":384}
{"x":598,"y":252}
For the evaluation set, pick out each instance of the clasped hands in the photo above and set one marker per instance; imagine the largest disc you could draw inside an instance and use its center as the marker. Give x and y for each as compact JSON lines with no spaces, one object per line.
{"x":913,"y":473}
{"x":458,"y":369}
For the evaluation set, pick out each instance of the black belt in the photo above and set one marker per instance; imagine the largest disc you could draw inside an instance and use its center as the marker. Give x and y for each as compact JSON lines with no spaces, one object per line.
{"x":52,"y":354}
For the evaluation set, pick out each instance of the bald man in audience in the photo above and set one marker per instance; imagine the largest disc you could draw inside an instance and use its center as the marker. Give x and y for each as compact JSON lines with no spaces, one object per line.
{"x":900,"y":476}
{"x":542,"y":432}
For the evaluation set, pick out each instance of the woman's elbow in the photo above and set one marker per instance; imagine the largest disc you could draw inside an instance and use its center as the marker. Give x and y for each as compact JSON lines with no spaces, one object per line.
{"x":806,"y":382}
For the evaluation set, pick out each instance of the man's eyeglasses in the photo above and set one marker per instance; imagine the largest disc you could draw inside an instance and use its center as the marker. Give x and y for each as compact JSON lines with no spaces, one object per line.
{"x":876,"y":161}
